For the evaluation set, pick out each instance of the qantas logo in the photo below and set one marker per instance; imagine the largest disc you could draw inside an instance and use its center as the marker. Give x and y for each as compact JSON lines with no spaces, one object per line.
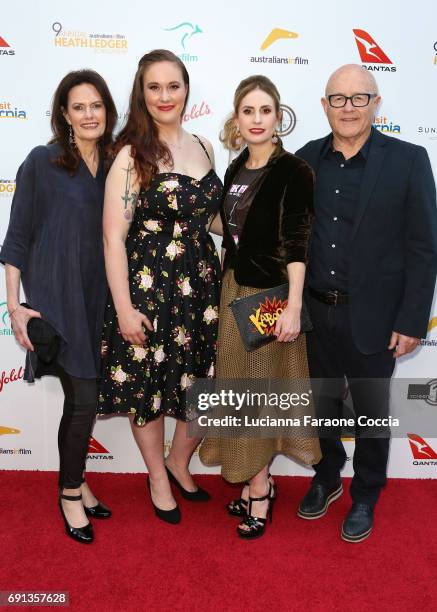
{"x":420,"y":448}
{"x":96,"y":447}
{"x":5,"y":48}
{"x":370,"y":52}
{"x":98,"y":451}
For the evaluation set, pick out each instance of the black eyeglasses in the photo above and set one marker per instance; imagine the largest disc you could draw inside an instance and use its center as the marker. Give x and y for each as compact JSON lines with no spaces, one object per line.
{"x":359,"y":99}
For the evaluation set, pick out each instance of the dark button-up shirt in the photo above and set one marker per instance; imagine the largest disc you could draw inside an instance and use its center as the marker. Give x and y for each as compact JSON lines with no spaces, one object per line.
{"x":338,"y":187}
{"x":55,"y":239}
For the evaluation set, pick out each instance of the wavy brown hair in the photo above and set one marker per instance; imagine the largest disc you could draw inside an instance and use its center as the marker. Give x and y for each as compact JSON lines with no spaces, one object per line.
{"x":140,"y":131}
{"x":230,"y":136}
{"x":70,"y":156}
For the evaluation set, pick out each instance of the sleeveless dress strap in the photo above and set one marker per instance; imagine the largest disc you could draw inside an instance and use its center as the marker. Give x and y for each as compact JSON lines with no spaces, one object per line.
{"x":203,"y":147}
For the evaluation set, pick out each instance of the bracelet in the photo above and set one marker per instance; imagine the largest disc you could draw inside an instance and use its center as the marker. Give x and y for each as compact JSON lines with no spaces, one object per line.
{"x":11,"y":312}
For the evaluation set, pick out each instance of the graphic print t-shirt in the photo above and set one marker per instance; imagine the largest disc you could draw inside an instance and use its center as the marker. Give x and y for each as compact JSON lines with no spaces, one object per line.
{"x":237,"y":203}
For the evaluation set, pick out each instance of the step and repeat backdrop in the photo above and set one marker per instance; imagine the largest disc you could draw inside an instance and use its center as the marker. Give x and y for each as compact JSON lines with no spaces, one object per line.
{"x":297,"y":45}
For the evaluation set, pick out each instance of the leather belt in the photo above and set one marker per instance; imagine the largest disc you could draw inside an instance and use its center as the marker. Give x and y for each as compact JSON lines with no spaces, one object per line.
{"x":332,"y":298}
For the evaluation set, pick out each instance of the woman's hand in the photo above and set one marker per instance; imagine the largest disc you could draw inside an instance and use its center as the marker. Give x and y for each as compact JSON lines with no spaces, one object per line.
{"x":131,"y":323}
{"x":19,"y":320}
{"x":287,"y":326}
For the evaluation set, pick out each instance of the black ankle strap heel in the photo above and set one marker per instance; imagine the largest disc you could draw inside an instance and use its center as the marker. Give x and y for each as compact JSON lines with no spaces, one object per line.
{"x":85,"y":534}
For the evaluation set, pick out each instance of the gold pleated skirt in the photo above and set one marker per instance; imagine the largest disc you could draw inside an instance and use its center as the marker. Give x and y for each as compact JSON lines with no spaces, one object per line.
{"x":243,"y":457}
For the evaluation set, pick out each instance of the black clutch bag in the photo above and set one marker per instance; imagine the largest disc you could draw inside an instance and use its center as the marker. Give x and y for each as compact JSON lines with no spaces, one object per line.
{"x":257,"y":314}
{"x":44,"y":338}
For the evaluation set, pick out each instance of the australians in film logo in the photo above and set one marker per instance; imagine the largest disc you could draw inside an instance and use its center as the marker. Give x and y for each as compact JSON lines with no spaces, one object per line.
{"x":386,"y":125}
{"x":432,"y":333}
{"x":371,"y":54}
{"x":96,"y":450}
{"x":5,"y":322}
{"x":423,"y":453}
{"x":12,"y":431}
{"x":279,"y":39}
{"x":184,"y":33}
{"x":7,"y":188}
{"x":5,"y":47}
{"x":100,"y":42}
{"x":8,"y":110}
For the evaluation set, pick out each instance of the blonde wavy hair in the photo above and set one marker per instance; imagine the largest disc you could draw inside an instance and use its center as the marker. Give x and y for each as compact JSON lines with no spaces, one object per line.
{"x":230,"y":136}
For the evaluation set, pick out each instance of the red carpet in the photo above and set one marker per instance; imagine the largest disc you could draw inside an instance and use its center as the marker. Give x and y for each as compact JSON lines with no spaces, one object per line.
{"x":139,"y":563}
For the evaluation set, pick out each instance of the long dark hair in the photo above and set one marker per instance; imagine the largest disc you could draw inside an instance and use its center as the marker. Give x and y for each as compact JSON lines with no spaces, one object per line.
{"x":70,"y":156}
{"x":140,"y":131}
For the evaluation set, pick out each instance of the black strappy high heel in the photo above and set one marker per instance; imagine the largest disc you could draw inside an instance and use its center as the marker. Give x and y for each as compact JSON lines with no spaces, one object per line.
{"x":238,"y":507}
{"x":256,"y":526}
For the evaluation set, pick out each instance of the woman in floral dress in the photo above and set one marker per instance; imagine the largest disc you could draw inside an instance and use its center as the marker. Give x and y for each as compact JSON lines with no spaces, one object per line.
{"x":163,"y":271}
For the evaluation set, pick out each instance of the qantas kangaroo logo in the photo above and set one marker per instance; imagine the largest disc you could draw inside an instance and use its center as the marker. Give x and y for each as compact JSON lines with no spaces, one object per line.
{"x":96,"y":447}
{"x":370,"y":51}
{"x":420,"y":448}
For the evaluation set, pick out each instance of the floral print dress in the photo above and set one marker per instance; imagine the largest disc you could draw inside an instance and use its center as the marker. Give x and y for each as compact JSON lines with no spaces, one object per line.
{"x":174,"y":279}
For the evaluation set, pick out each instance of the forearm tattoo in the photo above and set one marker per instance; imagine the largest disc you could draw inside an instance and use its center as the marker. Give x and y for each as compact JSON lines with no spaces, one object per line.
{"x":130,"y":198}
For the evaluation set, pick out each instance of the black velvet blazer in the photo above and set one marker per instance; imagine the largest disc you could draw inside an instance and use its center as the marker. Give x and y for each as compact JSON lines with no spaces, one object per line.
{"x":277,"y":227}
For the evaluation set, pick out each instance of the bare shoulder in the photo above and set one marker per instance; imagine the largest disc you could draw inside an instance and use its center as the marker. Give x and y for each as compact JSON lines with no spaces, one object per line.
{"x":123,"y":166}
{"x":124,"y":157}
{"x":207,"y":145}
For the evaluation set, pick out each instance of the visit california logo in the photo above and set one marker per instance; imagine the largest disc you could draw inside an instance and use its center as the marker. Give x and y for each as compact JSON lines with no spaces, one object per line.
{"x":8,"y":110}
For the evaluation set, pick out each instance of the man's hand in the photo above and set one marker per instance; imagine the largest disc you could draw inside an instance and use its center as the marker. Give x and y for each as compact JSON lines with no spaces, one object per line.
{"x":403,"y":344}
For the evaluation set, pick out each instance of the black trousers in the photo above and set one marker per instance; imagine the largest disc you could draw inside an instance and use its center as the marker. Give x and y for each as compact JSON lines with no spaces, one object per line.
{"x":333,"y":357}
{"x":75,"y":427}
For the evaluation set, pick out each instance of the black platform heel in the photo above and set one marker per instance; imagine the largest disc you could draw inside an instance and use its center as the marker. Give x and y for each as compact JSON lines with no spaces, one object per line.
{"x":256,"y":526}
{"x":84,"y":535}
{"x":196,"y":496}
{"x":172,"y":516}
{"x":238,"y":507}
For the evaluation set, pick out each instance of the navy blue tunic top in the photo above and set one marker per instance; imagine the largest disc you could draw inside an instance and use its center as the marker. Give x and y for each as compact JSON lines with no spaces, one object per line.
{"x":55,"y":238}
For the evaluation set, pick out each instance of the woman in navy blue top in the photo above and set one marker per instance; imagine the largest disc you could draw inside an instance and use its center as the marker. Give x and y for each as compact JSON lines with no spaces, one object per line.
{"x":54,"y":247}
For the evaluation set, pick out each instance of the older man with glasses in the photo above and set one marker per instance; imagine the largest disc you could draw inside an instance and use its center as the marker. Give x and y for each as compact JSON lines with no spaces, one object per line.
{"x":370,"y":283}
